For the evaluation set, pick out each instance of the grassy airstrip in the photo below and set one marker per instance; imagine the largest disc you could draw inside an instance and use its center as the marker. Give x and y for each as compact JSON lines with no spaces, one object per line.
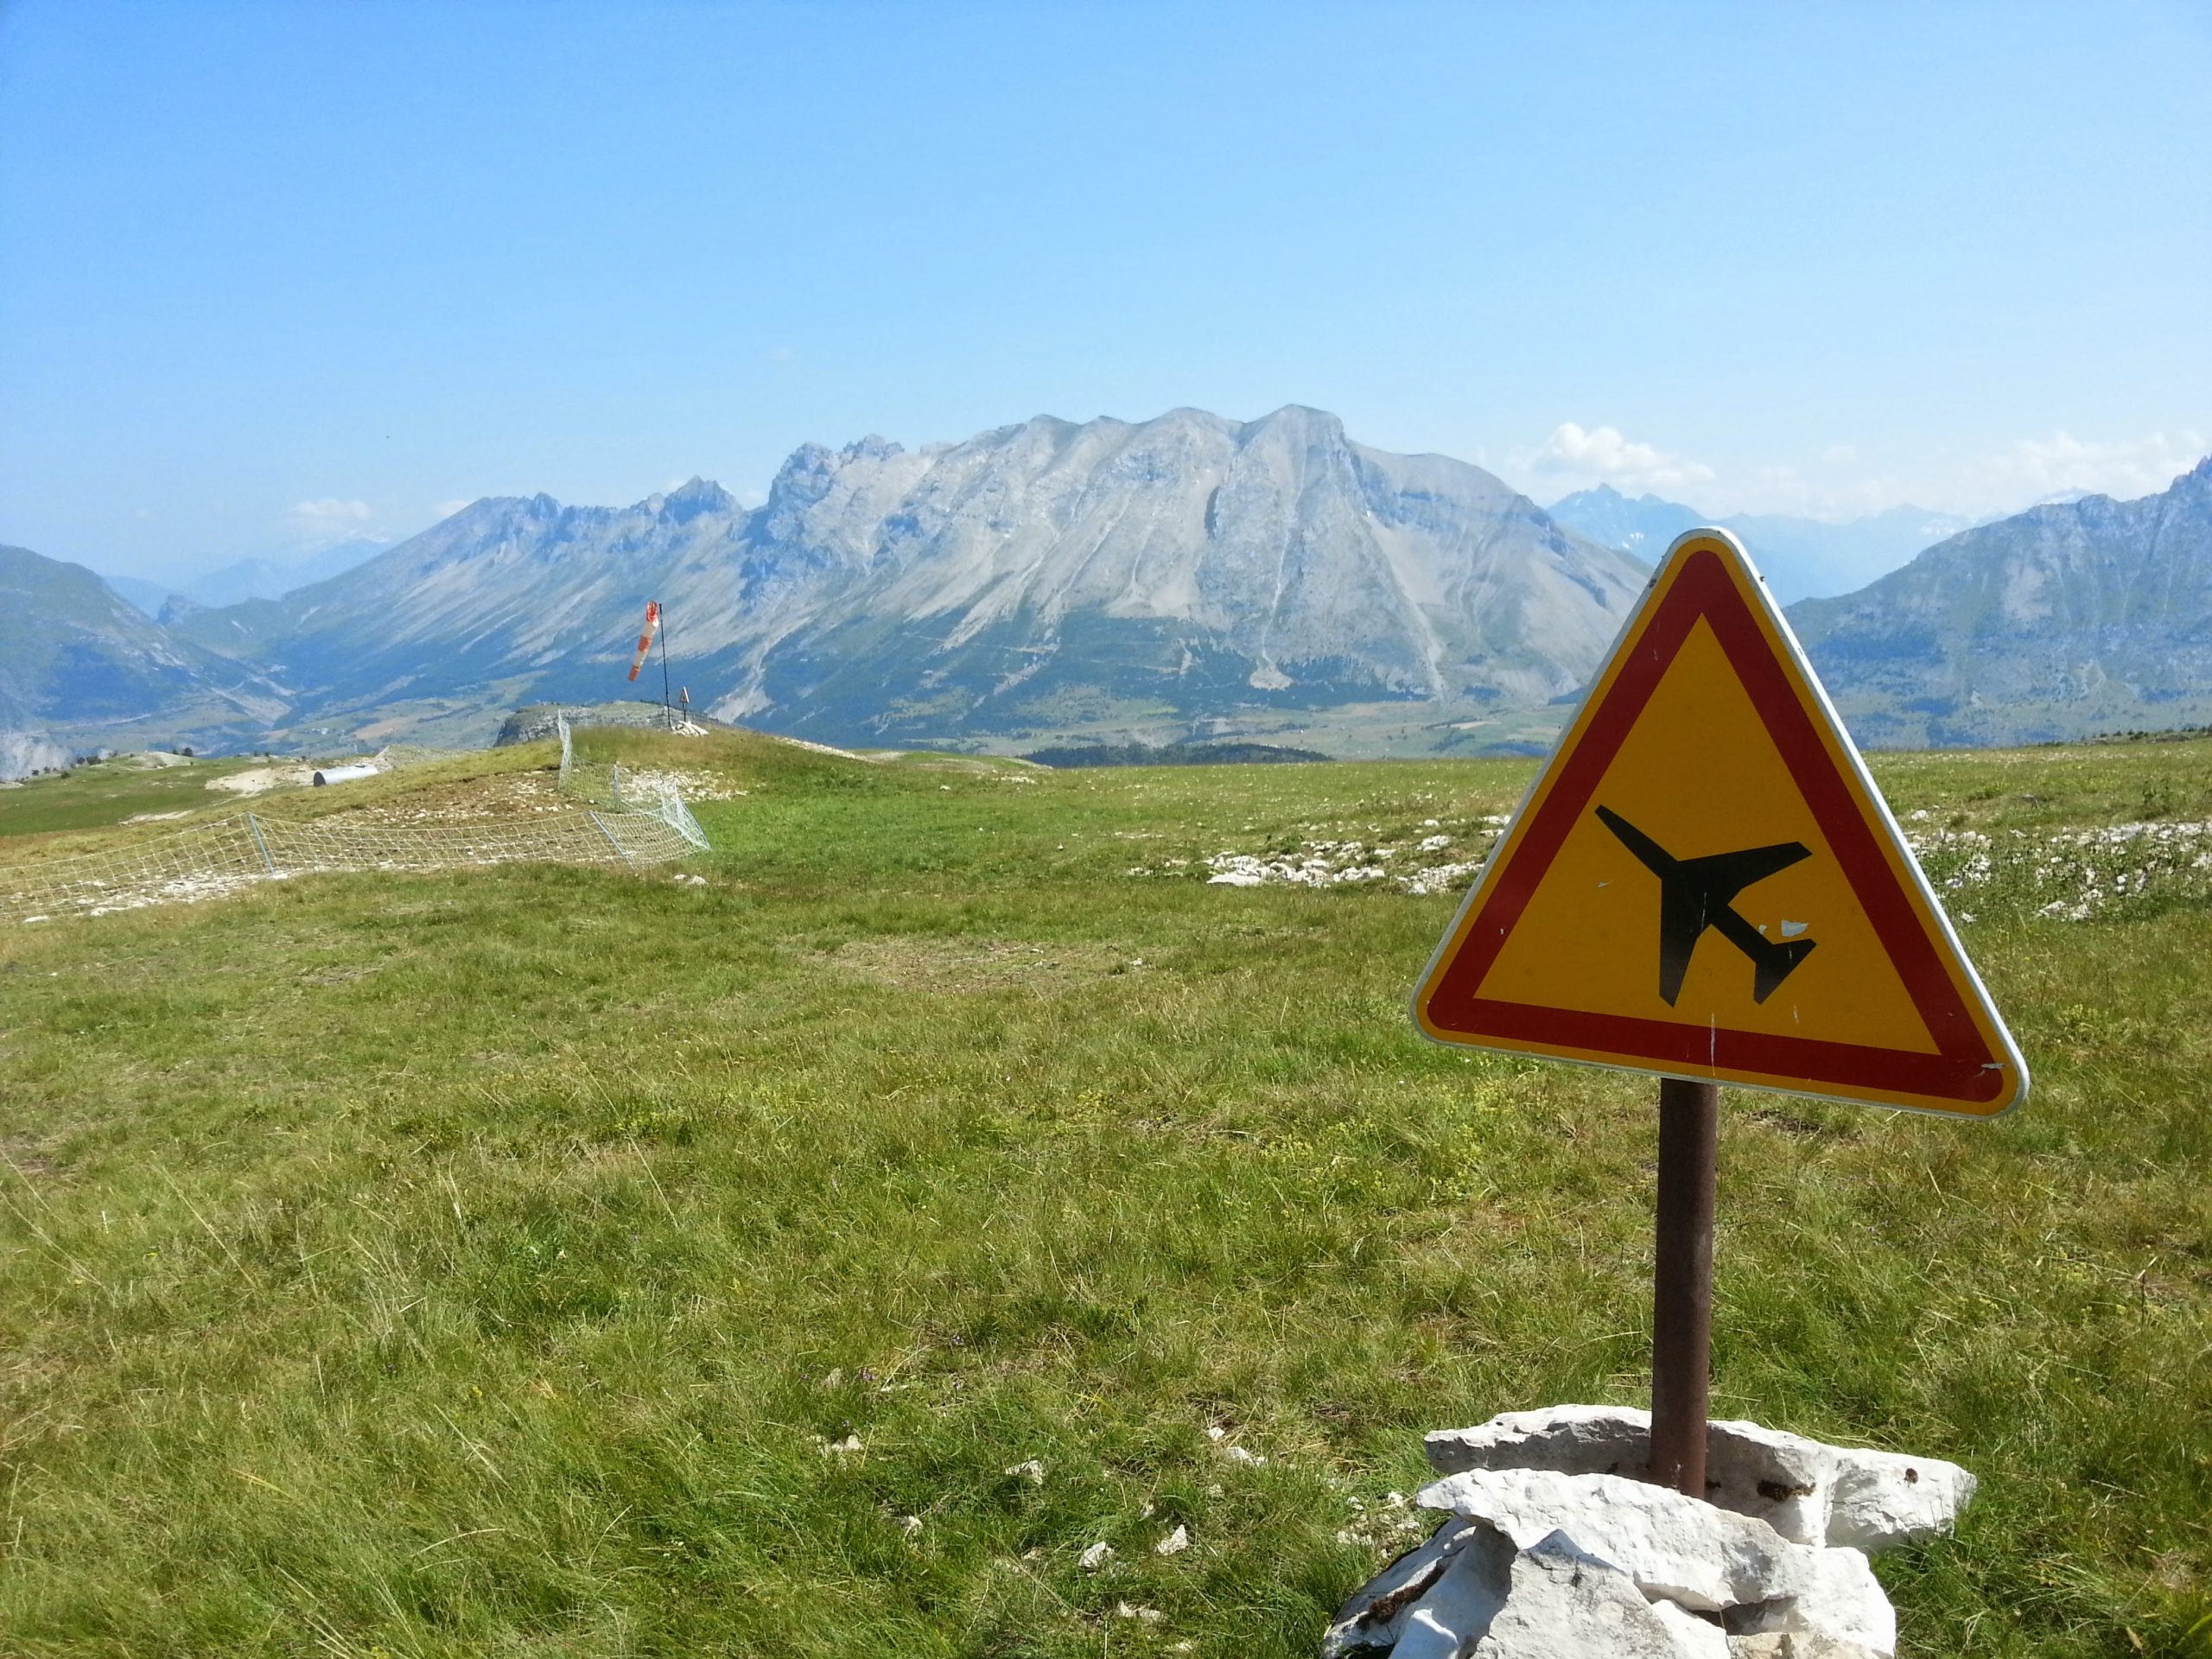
{"x":544,"y":1261}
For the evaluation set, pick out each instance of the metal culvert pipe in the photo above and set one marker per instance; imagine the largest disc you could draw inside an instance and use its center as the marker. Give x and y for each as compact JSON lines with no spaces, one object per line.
{"x":344,"y":774}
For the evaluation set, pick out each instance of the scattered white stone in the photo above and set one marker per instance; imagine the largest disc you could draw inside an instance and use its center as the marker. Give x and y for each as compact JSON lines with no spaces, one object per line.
{"x":1147,"y":1615}
{"x":910,"y":1524}
{"x":1238,"y":1454}
{"x":1097,"y":1556}
{"x":1174,"y":1544}
{"x":1031,"y":1471}
{"x":850,"y":1443}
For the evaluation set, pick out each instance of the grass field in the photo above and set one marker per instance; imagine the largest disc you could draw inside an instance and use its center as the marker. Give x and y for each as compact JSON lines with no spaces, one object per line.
{"x":544,"y":1261}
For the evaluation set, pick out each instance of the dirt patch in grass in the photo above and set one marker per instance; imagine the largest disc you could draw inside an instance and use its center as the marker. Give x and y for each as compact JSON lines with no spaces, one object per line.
{"x":26,"y":1156}
{"x":259,"y":780}
{"x":940,"y":964}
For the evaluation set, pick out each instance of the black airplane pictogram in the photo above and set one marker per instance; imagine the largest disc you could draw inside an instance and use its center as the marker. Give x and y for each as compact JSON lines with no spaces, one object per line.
{"x":1696,"y":893}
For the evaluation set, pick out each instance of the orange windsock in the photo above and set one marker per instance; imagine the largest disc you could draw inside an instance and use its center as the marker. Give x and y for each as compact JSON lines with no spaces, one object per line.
{"x":646,"y":639}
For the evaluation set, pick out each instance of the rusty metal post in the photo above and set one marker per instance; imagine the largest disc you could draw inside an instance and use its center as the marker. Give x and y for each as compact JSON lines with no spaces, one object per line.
{"x":1682,"y":1282}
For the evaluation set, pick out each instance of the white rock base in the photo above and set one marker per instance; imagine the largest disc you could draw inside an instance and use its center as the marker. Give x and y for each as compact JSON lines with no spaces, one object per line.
{"x":1552,"y":1548}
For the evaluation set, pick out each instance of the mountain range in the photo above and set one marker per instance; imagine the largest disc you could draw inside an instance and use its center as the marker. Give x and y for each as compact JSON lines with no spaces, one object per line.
{"x":1188,"y":576}
{"x":1800,"y":558}
{"x":1185,"y":578}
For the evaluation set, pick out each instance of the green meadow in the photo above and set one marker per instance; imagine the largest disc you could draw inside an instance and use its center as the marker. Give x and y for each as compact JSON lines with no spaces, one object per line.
{"x":821,"y":1258}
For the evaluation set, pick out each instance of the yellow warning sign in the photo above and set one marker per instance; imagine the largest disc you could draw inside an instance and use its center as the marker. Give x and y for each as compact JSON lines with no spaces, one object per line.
{"x":1704,"y":883}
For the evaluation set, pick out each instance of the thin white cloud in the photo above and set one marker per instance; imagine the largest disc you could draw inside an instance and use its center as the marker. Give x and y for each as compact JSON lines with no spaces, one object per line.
{"x":330,"y":510}
{"x":329,"y":519}
{"x":1605,"y":455}
{"x":2035,"y":469}
{"x":444,"y":510}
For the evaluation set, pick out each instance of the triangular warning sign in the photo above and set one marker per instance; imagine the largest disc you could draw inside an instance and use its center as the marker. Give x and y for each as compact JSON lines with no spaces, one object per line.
{"x":1704,"y":883}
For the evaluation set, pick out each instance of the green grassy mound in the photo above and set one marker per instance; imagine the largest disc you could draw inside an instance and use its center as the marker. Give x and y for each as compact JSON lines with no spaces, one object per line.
{"x":546,"y":1261}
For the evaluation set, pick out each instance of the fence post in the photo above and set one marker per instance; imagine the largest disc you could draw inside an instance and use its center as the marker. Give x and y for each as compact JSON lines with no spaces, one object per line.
{"x":255,"y":827}
{"x":611,"y":841}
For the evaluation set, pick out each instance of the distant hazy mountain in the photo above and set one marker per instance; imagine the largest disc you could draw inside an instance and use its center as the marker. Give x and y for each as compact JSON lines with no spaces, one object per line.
{"x":77,"y":660}
{"x":1187,"y":575}
{"x":2086,"y":616}
{"x":243,"y":579}
{"x":1643,"y":524}
{"x":259,"y":578}
{"x":1799,"y":558}
{"x":146,"y":596}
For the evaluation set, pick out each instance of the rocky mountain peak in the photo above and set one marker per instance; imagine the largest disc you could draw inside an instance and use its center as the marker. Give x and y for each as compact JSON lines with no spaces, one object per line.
{"x":692,"y":499}
{"x":1298,"y":424}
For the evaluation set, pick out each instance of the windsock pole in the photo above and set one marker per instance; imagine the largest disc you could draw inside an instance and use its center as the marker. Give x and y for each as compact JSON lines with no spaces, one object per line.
{"x":667,"y":716}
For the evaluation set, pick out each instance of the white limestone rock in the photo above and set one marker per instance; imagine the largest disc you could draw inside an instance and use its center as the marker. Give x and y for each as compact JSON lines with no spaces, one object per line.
{"x":1706,"y":1558}
{"x":1810,"y":1492}
{"x":1563,"y":1602}
{"x":1674,"y":1548}
{"x":1697,"y":1636}
{"x":1794,"y":1645}
{"x":1446,"y":1623}
{"x":1830,"y":1593}
{"x":1553,"y":1548}
{"x":1883,"y":1498}
{"x":1376,"y":1616}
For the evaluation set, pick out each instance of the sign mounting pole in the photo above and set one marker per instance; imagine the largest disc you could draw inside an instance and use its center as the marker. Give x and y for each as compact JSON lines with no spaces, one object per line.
{"x":1682,"y":1282}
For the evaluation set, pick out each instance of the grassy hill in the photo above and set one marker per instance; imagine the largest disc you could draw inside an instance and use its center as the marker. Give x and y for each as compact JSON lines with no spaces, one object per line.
{"x":544,"y":1261}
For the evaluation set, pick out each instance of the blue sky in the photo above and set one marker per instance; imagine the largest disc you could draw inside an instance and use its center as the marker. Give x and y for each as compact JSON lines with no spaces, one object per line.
{"x":277,"y":274}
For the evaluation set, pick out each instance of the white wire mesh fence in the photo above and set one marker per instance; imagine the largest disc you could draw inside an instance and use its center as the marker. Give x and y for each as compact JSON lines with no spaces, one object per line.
{"x":207,"y":860}
{"x":631,"y":792}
